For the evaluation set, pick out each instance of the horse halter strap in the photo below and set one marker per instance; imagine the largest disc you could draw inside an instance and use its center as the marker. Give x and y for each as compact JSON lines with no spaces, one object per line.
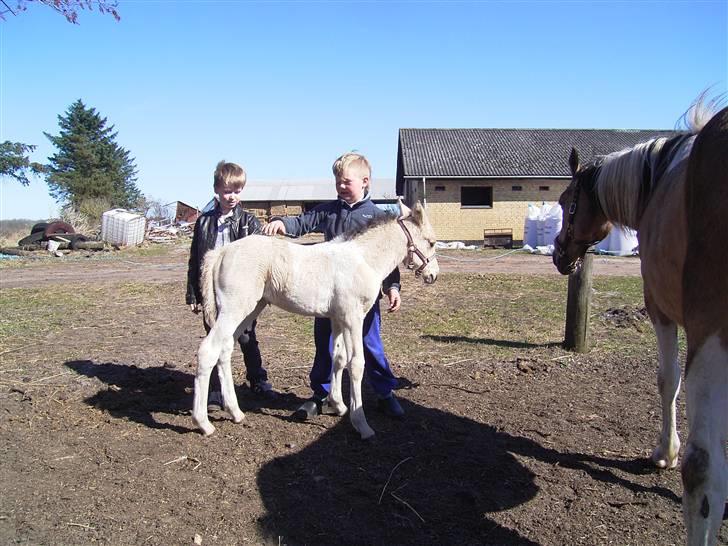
{"x":412,"y":249}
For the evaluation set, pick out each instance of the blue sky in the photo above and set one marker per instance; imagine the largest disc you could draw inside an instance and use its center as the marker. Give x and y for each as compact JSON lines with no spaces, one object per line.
{"x":284,"y":87}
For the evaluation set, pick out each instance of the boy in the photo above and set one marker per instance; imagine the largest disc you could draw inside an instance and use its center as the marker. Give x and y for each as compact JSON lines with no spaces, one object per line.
{"x":353,"y":209}
{"x":226,"y":223}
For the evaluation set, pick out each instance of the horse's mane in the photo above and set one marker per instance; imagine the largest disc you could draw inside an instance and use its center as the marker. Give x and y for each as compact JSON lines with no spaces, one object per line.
{"x":374,"y":222}
{"x":619,"y":181}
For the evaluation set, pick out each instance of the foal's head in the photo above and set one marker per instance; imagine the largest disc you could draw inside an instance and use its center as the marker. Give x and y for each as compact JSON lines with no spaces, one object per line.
{"x":423,"y":240}
{"x":584,"y":222}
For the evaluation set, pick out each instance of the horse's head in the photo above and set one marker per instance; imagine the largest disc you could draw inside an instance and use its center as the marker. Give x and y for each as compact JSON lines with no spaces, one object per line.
{"x":421,"y":247}
{"x":584,"y":222}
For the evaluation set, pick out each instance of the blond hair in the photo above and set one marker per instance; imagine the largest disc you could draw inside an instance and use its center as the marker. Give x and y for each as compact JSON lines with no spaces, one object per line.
{"x":351,"y":159}
{"x":229,"y":175}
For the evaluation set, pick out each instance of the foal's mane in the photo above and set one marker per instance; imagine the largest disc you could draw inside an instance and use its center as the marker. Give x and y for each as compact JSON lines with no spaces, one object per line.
{"x":373,"y":223}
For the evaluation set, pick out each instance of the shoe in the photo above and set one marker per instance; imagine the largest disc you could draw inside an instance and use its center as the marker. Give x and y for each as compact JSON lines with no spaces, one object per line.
{"x":309,"y":409}
{"x":263,"y":389}
{"x":390,"y":406}
{"x":214,"y":401}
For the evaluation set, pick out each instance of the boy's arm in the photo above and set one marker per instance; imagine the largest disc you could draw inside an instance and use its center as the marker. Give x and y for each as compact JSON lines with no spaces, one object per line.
{"x":295,"y":226}
{"x":391,"y":287}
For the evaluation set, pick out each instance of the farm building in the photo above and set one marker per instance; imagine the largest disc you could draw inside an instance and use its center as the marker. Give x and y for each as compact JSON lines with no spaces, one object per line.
{"x":472,"y":180}
{"x":290,"y":198}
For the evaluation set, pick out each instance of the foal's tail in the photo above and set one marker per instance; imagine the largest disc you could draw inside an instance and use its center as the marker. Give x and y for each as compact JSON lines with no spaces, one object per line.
{"x":210,"y":268}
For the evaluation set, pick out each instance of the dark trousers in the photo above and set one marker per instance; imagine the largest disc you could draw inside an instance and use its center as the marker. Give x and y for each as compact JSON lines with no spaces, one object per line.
{"x":376,"y":365}
{"x":254,"y":371}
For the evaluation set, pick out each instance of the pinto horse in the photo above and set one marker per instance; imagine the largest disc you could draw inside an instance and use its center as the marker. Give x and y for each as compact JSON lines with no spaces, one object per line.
{"x":674,"y":193}
{"x":340,"y":279}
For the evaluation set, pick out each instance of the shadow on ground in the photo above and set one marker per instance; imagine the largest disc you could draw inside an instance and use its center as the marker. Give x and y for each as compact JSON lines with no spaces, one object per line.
{"x":431,"y":479}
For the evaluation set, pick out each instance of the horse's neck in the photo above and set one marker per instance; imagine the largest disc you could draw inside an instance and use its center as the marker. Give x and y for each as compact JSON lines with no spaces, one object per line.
{"x":383,"y":247}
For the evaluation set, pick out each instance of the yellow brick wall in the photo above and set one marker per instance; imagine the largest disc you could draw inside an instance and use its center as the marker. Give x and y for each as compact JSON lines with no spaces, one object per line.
{"x":455,"y":223}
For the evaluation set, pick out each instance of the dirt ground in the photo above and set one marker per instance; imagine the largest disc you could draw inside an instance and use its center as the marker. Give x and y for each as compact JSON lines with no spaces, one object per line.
{"x":507,"y":439}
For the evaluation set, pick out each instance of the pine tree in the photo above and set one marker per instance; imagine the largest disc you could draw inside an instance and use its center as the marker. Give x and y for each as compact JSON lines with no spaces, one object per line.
{"x":89,"y":164}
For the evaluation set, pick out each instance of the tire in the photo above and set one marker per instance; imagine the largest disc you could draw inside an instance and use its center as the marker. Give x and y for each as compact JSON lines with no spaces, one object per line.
{"x":32,"y":240}
{"x":40,"y":226}
{"x":58,"y":228}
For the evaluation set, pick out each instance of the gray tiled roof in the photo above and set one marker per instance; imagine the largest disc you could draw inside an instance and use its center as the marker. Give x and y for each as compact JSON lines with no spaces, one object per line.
{"x":508,"y":152}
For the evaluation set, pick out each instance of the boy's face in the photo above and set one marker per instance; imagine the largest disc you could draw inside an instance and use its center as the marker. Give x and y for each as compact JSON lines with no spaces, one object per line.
{"x":228,"y":197}
{"x":352,"y":182}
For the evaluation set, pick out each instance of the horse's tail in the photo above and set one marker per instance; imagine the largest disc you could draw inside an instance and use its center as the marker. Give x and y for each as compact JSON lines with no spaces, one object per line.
{"x":210,"y":267}
{"x":701,"y":111}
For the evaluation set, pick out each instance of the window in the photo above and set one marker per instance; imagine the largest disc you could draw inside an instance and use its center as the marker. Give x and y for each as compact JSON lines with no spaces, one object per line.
{"x":516,"y":188}
{"x":476,"y":196}
{"x":439,"y":188}
{"x":544,"y":188}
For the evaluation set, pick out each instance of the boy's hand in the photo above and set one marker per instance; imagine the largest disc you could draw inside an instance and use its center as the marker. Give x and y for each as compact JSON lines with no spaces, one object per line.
{"x":276,"y":226}
{"x":394,"y":300}
{"x":195,"y":308}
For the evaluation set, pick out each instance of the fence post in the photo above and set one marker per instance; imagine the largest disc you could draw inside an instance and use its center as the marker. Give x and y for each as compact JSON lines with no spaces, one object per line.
{"x":576,"y":334}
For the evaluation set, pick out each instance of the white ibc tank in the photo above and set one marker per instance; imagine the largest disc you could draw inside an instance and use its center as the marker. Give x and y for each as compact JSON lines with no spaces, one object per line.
{"x":121,"y":227}
{"x":621,"y":241}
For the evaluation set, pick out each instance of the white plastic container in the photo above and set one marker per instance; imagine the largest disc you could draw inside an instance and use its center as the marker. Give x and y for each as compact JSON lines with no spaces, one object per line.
{"x":552,"y":224}
{"x":619,"y":242}
{"x":121,"y":227}
{"x":530,"y":226}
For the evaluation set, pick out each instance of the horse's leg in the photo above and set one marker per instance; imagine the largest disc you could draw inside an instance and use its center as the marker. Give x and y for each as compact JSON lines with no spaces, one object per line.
{"x":704,"y":466}
{"x":355,"y":347}
{"x":340,"y":357}
{"x":668,"y":382}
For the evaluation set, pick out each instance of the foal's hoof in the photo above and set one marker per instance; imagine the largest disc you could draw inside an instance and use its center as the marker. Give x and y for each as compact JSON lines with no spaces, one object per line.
{"x":368,"y":436}
{"x":206,"y":428}
{"x":660,"y":461}
{"x":238,"y":417}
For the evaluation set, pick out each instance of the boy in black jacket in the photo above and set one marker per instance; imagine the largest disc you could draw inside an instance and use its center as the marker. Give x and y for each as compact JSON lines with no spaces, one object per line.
{"x":226,"y":223}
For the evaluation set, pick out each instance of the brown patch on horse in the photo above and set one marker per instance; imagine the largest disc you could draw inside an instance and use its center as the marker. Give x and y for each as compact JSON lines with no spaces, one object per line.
{"x":695,"y":469}
{"x":705,"y":273}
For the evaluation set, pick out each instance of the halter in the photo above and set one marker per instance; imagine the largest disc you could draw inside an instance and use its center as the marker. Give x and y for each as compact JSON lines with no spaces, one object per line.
{"x":560,"y":249}
{"x":412,"y":249}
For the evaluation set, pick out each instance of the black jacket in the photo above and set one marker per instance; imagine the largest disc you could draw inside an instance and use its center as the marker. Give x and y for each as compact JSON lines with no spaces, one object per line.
{"x":242,"y":223}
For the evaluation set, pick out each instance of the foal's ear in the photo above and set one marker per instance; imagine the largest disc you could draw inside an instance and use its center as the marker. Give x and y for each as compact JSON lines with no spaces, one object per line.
{"x":418,"y":213}
{"x":404,"y":210}
{"x":574,"y":161}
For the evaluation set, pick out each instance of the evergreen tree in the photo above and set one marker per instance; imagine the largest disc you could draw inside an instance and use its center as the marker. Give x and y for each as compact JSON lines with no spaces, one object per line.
{"x":89,"y":164}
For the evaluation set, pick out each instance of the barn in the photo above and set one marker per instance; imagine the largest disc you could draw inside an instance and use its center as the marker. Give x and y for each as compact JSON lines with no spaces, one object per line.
{"x":481,"y":181}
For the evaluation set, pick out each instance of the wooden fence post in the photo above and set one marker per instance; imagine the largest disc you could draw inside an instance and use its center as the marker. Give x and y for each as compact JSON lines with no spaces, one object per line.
{"x":576,"y":334}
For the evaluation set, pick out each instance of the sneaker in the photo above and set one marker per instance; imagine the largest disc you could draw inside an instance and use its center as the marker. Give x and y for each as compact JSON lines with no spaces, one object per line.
{"x":263,"y":389}
{"x":390,"y":406}
{"x":214,"y":401}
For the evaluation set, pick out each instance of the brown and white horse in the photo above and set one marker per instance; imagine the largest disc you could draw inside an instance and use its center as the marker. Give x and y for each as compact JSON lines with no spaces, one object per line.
{"x":674,"y":192}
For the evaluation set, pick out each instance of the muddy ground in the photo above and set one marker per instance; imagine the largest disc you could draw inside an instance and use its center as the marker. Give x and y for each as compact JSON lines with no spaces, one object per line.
{"x":507,"y":439}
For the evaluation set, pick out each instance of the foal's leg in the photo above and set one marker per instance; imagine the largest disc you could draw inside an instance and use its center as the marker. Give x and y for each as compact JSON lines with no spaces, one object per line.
{"x":704,"y":467}
{"x":355,"y":346}
{"x":207,"y":356}
{"x":668,"y":382}
{"x":340,"y":357}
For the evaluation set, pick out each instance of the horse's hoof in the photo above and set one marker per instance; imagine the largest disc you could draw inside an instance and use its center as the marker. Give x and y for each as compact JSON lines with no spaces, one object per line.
{"x":239,"y":418}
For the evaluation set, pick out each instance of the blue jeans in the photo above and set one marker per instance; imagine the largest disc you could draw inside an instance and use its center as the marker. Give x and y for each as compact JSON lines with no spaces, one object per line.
{"x":376,"y":365}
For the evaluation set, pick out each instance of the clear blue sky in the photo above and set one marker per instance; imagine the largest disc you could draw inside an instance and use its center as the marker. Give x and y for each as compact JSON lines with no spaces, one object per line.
{"x":284,"y":87}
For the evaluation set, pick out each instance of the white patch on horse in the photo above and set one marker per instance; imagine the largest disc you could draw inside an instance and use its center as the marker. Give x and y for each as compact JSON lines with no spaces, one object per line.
{"x":706,"y":481}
